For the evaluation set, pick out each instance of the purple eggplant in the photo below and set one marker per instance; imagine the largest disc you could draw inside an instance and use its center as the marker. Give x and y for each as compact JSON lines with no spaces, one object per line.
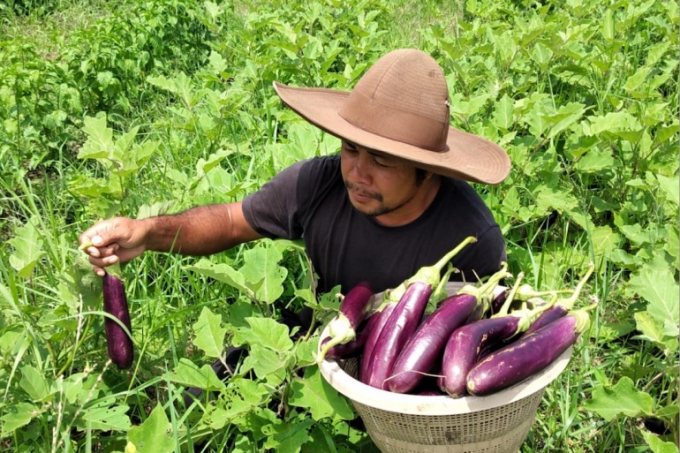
{"x":377,"y":322}
{"x":527,"y":356}
{"x":352,"y":348}
{"x":419,"y":355}
{"x":561,"y":307}
{"x":121,"y":349}
{"x":405,"y":318}
{"x":354,"y":308}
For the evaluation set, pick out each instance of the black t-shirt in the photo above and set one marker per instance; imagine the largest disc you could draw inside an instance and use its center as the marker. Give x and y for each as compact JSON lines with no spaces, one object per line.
{"x":308,"y":200}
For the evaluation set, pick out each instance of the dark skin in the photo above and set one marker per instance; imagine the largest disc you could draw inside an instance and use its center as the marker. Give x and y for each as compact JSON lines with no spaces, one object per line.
{"x":387,"y":188}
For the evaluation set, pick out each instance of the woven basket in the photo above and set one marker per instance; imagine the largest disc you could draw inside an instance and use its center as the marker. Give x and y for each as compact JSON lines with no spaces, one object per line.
{"x":399,"y":423}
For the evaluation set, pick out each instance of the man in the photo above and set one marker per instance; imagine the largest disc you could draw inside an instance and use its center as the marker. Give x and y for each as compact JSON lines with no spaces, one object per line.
{"x":395,"y":199}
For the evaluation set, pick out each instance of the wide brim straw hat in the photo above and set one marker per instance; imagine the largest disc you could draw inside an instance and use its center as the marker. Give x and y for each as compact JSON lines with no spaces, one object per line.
{"x":400,"y":107}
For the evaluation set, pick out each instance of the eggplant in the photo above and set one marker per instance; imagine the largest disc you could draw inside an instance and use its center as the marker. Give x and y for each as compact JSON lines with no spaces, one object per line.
{"x":465,"y":346}
{"x":527,"y":356}
{"x":352,"y":348}
{"x":120,"y":346}
{"x":561,"y":307}
{"x":376,"y":322}
{"x":354,"y":308}
{"x":419,"y":355}
{"x":405,"y":318}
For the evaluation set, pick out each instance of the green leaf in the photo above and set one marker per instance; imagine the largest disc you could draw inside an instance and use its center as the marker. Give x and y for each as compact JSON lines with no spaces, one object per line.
{"x":633,"y":82}
{"x":27,"y":248}
{"x":209,"y":333}
{"x":223,"y":273}
{"x":504,"y":113}
{"x":152,"y":436}
{"x":291,"y":437}
{"x":621,"y":399}
{"x":188,"y":374}
{"x":671,"y":187}
{"x":99,"y":143}
{"x":542,"y":55}
{"x":320,"y":398}
{"x":657,"y":285}
{"x":33,"y":382}
{"x":105,"y":417}
{"x":657,"y":445}
{"x":653,"y":330}
{"x":596,"y":160}
{"x":17,"y":416}
{"x":261,"y":268}
{"x":268,"y":364}
{"x":265,"y":332}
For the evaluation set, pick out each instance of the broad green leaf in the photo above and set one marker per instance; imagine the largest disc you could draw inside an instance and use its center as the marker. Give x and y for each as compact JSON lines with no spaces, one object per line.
{"x":596,"y":160}
{"x":550,"y":198}
{"x":637,"y":234}
{"x":658,"y":287}
{"x":163,"y":83}
{"x":34,"y":383}
{"x":671,"y":187}
{"x":105,"y":418}
{"x":313,"y":392}
{"x":657,"y":445}
{"x":653,"y":330}
{"x":504,"y":113}
{"x":291,"y":438}
{"x":268,"y":333}
{"x":99,"y":143}
{"x":633,"y":82}
{"x":267,"y":364}
{"x":153,"y":436}
{"x":209,"y":333}
{"x":605,"y":240}
{"x":27,"y":248}
{"x":611,"y":122}
{"x":620,"y":399}
{"x":17,"y":416}
{"x":188,"y":374}
{"x":262,"y":270}
{"x":223,"y":273}
{"x":542,"y":55}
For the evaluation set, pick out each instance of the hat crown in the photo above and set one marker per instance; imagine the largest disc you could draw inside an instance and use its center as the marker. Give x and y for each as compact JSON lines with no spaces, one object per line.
{"x":403,"y":97}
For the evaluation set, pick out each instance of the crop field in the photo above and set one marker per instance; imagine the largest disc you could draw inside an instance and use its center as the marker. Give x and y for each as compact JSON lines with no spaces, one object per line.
{"x":144,"y":107}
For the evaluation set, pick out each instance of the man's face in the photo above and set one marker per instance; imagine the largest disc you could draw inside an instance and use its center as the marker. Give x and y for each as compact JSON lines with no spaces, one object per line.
{"x":381,"y":186}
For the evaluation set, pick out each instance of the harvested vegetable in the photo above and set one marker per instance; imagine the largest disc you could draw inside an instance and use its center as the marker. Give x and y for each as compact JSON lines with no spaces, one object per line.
{"x":420,"y":354}
{"x":406,"y":317}
{"x":353,"y":310}
{"x":120,"y":346}
{"x":527,"y":356}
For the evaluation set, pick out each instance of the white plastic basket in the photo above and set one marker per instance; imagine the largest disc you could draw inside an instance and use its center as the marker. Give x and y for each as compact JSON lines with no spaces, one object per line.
{"x":398,"y":423}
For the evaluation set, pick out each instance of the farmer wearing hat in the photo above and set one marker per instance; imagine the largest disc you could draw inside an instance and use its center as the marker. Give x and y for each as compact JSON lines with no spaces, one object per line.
{"x":395,"y":199}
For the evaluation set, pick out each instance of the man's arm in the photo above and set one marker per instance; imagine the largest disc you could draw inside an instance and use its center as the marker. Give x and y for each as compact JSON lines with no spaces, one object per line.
{"x":199,"y":231}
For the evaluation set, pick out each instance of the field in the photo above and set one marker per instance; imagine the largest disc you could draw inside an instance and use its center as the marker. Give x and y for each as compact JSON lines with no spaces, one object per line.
{"x":139,"y":108}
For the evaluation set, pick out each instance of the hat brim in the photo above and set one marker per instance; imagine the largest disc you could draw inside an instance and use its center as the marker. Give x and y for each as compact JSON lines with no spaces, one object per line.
{"x":467,"y":156}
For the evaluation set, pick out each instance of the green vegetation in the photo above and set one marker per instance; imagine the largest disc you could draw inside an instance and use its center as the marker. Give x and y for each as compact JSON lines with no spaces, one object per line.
{"x":143,"y":107}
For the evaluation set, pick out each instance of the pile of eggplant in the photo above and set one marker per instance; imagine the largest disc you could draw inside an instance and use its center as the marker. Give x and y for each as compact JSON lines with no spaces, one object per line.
{"x":478,"y":341}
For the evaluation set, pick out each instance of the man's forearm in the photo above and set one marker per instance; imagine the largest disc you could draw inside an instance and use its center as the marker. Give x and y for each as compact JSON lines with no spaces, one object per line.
{"x":203,"y":230}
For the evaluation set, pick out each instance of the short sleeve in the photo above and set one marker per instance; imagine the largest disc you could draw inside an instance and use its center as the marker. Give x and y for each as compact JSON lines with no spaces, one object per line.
{"x":273,"y":210}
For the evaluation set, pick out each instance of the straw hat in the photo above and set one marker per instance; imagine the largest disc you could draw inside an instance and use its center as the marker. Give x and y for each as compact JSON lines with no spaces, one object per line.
{"x":400,"y":107}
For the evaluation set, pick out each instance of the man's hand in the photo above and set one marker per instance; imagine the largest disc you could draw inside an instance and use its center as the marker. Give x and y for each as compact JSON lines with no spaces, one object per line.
{"x":116,"y":240}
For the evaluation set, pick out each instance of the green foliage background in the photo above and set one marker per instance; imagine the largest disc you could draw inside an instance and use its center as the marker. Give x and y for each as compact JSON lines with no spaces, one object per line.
{"x":138,"y":108}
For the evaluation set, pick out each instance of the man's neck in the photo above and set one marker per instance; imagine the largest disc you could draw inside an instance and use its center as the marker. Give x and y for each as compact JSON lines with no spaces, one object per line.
{"x":415,"y":207}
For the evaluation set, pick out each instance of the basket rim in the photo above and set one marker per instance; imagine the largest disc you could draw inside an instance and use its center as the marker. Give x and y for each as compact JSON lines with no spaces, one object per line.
{"x":357,"y":391}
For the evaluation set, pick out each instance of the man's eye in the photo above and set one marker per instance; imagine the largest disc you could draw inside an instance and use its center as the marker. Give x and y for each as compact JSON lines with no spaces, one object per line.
{"x":379,"y":162}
